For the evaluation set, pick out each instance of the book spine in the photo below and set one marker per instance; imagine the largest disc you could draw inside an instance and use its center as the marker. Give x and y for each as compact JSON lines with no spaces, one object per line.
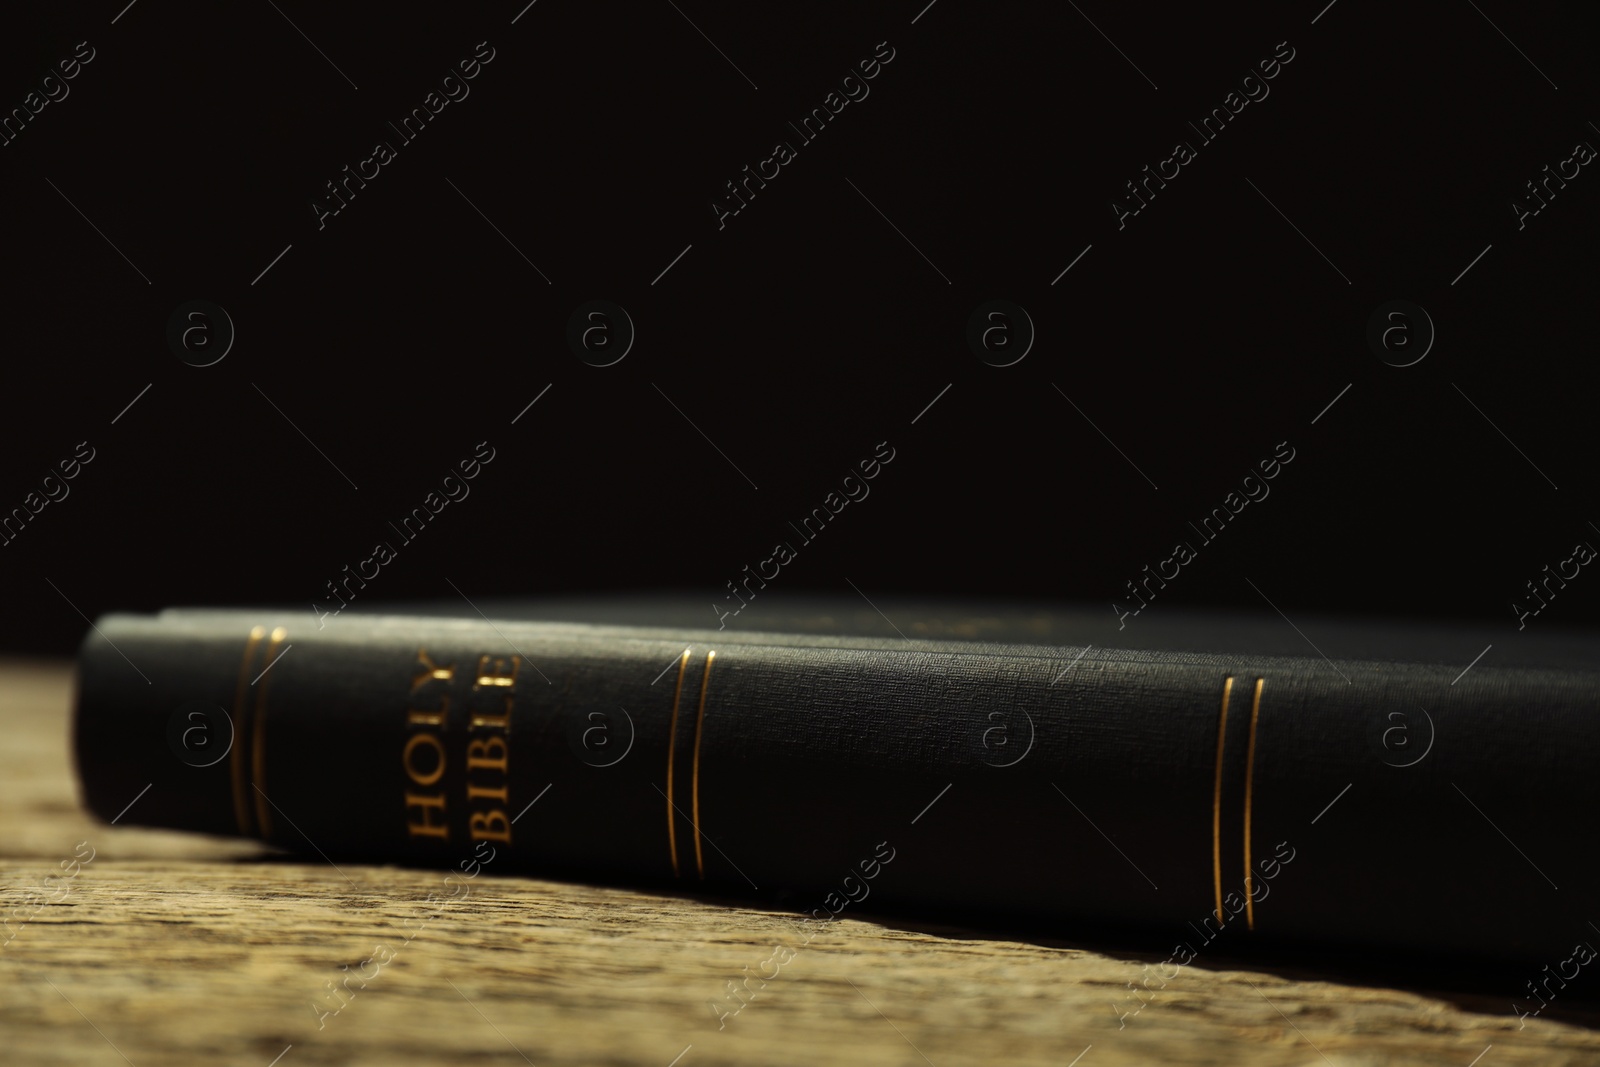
{"x":1186,"y":793}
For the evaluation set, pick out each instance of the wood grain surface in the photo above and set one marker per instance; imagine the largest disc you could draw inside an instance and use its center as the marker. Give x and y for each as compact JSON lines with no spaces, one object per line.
{"x":170,"y":948}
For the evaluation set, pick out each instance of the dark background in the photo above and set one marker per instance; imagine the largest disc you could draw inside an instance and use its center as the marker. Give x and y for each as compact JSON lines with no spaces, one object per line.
{"x":807,"y":330}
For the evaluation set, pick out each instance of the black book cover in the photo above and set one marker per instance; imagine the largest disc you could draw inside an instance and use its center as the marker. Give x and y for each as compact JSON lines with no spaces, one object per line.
{"x":1211,"y":772}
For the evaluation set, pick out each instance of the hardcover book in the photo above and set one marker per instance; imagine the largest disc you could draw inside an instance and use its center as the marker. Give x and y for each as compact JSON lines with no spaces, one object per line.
{"x":1186,"y":774}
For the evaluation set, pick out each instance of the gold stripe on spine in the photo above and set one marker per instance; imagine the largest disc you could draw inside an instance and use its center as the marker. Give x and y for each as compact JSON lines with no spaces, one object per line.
{"x":258,"y":754}
{"x":241,"y":788}
{"x":672,"y":748}
{"x":694,"y":781}
{"x":1216,"y":798}
{"x":1249,"y":778}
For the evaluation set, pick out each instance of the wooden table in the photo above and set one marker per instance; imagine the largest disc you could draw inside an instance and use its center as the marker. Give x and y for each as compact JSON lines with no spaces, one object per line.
{"x":170,"y":948}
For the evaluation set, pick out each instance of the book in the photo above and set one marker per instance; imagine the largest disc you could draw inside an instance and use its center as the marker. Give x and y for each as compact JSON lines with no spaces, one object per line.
{"x":1188,"y":774}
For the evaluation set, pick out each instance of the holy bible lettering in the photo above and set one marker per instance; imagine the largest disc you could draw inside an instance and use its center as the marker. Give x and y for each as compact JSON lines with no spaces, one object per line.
{"x":426,"y":755}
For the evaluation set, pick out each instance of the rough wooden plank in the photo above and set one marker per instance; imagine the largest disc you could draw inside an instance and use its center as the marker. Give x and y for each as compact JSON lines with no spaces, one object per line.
{"x":175,"y":949}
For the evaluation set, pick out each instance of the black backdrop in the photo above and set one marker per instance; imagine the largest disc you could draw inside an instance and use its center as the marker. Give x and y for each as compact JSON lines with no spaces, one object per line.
{"x":777,"y":350}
